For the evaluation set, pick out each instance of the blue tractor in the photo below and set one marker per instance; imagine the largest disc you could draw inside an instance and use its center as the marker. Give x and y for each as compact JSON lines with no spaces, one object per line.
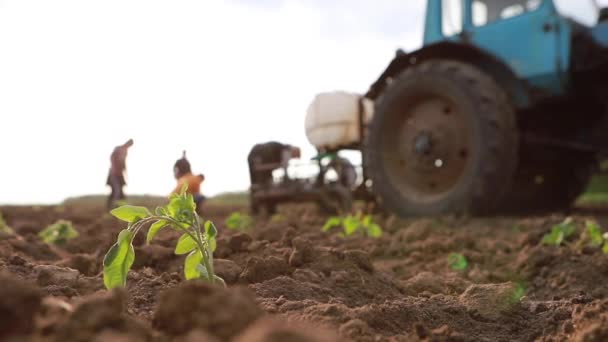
{"x":503,"y":110}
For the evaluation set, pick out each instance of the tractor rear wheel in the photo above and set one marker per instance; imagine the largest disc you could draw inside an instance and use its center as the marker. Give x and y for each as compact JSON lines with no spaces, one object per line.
{"x":443,"y":140}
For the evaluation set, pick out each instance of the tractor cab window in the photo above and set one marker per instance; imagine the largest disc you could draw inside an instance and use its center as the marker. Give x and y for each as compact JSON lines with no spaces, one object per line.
{"x":583,"y":11}
{"x":487,"y":11}
{"x":452,"y":17}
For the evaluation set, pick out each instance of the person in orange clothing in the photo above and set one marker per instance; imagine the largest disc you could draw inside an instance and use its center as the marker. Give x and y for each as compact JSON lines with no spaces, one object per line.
{"x":194,"y":187}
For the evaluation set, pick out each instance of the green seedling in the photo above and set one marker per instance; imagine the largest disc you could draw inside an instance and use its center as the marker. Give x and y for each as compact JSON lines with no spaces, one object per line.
{"x":4,"y":228}
{"x":594,"y":233}
{"x":353,"y":224}
{"x":58,"y":233}
{"x":457,"y":262}
{"x":559,"y":233}
{"x":518,"y":293}
{"x":197,"y":241}
{"x":238,"y":221}
{"x":596,"y":237}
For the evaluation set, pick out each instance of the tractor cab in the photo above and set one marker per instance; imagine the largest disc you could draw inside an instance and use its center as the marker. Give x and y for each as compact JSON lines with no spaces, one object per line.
{"x":476,"y":120}
{"x":537,"y":39}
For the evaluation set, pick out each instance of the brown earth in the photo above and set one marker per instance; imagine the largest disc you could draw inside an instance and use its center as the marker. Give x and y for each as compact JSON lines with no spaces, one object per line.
{"x":288,"y":281}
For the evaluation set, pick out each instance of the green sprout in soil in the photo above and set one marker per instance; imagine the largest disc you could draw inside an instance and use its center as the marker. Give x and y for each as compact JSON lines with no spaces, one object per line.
{"x":559,"y":233}
{"x":238,"y":221}
{"x":58,"y":233}
{"x":457,"y":262}
{"x":518,"y":292}
{"x":4,"y":228}
{"x":353,"y":224}
{"x":595,"y":236}
{"x":198,"y":239}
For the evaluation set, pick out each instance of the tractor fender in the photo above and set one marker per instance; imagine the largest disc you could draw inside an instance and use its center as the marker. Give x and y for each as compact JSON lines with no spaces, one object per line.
{"x":488,"y":63}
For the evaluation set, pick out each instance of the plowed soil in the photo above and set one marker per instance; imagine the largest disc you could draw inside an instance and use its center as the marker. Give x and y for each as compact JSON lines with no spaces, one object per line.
{"x":288,"y":281}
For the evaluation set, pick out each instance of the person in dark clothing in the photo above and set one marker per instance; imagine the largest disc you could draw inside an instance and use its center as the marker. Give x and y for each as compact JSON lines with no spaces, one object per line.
{"x":266,"y":157}
{"x":347,"y":174}
{"x":116,"y":178}
{"x":181,"y":167}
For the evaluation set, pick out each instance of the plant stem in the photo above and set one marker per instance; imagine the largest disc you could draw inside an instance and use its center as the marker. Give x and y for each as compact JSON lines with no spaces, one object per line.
{"x":197,"y":237}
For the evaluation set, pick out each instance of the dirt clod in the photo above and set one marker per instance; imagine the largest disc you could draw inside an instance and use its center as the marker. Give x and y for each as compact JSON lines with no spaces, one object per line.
{"x":19,"y":303}
{"x":259,"y":270}
{"x":227,"y":270}
{"x":196,"y":304}
{"x":275,"y":330}
{"x":490,"y":300}
{"x":55,"y":275}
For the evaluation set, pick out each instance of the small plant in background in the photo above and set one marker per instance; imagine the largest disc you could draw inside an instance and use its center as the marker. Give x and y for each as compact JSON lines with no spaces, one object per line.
{"x":353,"y":224}
{"x":457,"y":262}
{"x":4,"y":228}
{"x":559,"y":233}
{"x":595,"y":236}
{"x":198,"y":239}
{"x":58,"y":233}
{"x":519,"y":291}
{"x":238,"y":221}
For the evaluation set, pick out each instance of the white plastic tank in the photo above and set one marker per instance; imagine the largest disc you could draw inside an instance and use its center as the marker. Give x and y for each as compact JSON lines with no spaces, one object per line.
{"x":332,"y":119}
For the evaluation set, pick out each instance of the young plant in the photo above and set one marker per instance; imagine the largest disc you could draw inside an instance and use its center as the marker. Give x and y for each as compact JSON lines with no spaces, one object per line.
{"x":457,"y":262}
{"x":354,"y":224}
{"x":58,"y":233}
{"x":559,"y":233}
{"x":197,"y":241}
{"x":596,"y":237}
{"x":4,"y":228}
{"x":238,"y":221}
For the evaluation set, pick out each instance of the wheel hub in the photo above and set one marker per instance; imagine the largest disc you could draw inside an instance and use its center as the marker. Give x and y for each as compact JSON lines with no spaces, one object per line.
{"x":423,"y":143}
{"x":432,"y":147}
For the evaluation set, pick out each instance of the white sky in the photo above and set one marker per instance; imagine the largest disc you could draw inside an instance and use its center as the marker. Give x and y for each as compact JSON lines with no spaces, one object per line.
{"x":213,"y":77}
{"x":210,"y":76}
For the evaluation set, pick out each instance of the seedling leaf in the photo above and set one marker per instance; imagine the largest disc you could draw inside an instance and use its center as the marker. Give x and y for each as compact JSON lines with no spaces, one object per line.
{"x":595,"y":234}
{"x":559,"y":233}
{"x":118,"y":261}
{"x":191,"y":266}
{"x":332,"y":222}
{"x":518,"y":293}
{"x":238,"y":221}
{"x":457,"y":261}
{"x":351,"y":225}
{"x":58,"y":233}
{"x":211,"y":233}
{"x":185,"y":245}
{"x":130,"y":213}
{"x":374,"y":230}
{"x":154,"y":229}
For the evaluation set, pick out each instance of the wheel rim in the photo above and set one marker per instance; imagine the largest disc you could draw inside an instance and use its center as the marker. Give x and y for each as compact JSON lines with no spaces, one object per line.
{"x":428,"y":148}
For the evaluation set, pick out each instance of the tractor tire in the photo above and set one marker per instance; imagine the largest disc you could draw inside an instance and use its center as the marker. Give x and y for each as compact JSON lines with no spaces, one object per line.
{"x":443,"y":140}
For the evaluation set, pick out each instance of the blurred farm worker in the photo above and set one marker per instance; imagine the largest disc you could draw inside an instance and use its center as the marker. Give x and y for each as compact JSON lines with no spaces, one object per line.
{"x":194,"y":187}
{"x":347,"y":175}
{"x":181,"y":167}
{"x":266,"y":157}
{"x":116,"y":176}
